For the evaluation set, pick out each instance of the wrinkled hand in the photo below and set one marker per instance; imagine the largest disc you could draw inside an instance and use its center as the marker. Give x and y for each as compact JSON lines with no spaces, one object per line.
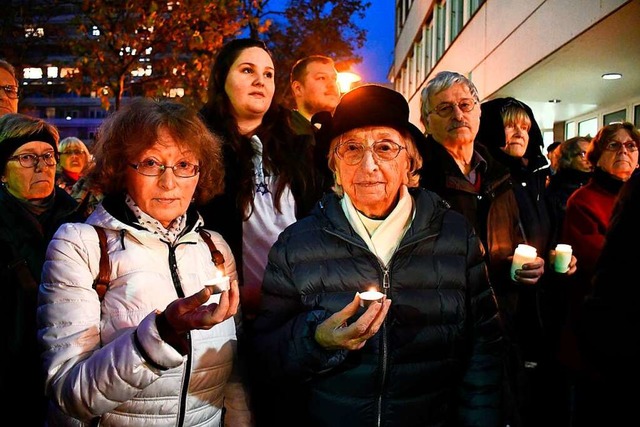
{"x":334,"y":334}
{"x":186,"y":314}
{"x":573,"y":264}
{"x":530,"y":272}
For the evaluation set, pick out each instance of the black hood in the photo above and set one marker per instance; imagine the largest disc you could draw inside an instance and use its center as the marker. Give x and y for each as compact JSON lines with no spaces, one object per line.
{"x":491,"y":133}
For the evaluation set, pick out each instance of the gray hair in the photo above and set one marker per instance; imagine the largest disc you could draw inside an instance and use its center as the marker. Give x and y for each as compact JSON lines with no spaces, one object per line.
{"x":6,"y":66}
{"x":443,"y":80}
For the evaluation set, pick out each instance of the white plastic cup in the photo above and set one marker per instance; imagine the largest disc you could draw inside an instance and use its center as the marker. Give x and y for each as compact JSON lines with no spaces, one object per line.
{"x":523,"y":254}
{"x":563,"y":258}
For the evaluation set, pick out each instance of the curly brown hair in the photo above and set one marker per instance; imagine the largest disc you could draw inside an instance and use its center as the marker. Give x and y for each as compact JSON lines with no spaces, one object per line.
{"x":134,"y":128}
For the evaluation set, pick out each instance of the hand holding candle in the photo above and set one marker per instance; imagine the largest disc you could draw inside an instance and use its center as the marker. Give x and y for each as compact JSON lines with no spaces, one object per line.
{"x":218,"y":284}
{"x":523,"y":254}
{"x":563,"y":258}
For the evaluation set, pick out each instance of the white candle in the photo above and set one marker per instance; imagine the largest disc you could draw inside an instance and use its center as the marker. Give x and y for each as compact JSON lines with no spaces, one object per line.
{"x":218,"y":284}
{"x":368,"y":297}
{"x":563,"y":258}
{"x":522,"y":255}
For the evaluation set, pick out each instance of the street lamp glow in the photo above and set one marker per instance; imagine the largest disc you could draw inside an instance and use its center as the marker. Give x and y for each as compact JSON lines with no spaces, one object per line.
{"x":346,"y":79}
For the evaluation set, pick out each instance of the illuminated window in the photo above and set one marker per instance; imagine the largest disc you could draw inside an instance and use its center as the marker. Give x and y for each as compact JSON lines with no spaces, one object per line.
{"x":176,"y":92}
{"x":52,"y":72}
{"x":31,"y":31}
{"x":68,"y":72}
{"x":33,"y":73}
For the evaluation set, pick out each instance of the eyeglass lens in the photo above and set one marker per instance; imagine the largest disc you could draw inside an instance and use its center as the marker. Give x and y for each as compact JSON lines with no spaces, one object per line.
{"x":11,"y":91}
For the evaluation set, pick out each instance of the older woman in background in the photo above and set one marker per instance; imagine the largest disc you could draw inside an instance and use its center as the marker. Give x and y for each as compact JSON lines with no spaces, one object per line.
{"x":31,"y":209}
{"x":74,"y":157}
{"x":429,"y":352}
{"x":159,"y":348}
{"x":614,"y":154}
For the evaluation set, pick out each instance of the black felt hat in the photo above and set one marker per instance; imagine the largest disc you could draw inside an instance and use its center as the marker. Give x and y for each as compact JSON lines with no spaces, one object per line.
{"x":366,"y":105}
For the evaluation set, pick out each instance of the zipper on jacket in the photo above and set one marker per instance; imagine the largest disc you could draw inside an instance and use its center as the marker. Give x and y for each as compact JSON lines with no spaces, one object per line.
{"x":173,"y":267}
{"x":386,"y":286}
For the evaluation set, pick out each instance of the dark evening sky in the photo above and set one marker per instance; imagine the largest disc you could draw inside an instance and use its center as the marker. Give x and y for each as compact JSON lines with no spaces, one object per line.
{"x":377,"y":53}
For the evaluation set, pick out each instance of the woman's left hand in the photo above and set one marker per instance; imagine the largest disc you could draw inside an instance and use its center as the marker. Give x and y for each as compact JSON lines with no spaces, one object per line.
{"x":186,"y":314}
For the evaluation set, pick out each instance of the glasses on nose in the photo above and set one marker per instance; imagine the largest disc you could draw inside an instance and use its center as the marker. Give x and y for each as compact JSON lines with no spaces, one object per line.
{"x":445,"y":109}
{"x":617,"y":145}
{"x":150,"y":167}
{"x":11,"y":91}
{"x":582,"y":154}
{"x":30,"y":160}
{"x":73,"y":153}
{"x":352,"y":152}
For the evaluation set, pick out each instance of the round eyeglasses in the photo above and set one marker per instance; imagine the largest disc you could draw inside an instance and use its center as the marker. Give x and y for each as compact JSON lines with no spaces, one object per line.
{"x":151,"y":167}
{"x":445,"y":109}
{"x":30,"y":160}
{"x":631,"y":146}
{"x":352,"y":152}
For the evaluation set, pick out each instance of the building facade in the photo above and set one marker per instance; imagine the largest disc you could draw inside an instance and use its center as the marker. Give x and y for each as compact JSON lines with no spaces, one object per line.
{"x":551,"y":54}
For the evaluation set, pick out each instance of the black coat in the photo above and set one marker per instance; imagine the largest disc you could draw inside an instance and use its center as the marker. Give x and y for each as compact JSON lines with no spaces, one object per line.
{"x":23,"y":243}
{"x":436,"y":360}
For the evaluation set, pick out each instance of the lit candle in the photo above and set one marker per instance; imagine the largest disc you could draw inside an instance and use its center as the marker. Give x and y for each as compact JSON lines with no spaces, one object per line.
{"x":218,"y":284}
{"x":563,"y":258}
{"x":370,"y":296}
{"x":523,"y":254}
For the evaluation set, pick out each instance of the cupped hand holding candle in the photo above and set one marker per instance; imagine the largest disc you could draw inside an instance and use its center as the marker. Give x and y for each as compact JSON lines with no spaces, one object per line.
{"x":563,"y":258}
{"x":218,"y":284}
{"x":523,"y":254}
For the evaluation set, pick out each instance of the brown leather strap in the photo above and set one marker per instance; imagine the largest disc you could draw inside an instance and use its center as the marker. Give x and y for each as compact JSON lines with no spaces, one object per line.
{"x":101,"y":284}
{"x":216,"y":255}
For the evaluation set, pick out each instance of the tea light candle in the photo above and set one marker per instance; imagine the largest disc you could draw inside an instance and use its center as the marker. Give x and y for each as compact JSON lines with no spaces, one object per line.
{"x":218,"y":284}
{"x":563,"y":258}
{"x":523,"y":254}
{"x":368,"y":297}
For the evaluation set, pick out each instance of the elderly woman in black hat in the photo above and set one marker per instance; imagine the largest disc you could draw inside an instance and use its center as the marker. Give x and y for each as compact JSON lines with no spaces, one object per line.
{"x":428,"y":352}
{"x":31,"y":209}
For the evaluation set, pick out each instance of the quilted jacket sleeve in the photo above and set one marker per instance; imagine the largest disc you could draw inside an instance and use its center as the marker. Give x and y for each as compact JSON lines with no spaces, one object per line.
{"x":84,"y":378}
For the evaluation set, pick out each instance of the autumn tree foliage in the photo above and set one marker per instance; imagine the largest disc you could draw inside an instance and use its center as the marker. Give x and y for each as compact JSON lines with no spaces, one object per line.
{"x":308,"y":27}
{"x":148,"y":47}
{"x":166,"y":47}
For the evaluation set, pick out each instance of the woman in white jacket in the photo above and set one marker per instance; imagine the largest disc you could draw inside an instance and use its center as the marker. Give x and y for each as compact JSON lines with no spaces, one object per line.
{"x":159,"y":348}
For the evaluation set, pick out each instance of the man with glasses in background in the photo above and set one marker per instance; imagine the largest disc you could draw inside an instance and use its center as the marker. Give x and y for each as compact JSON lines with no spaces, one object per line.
{"x":465,"y":175}
{"x":9,"y":86}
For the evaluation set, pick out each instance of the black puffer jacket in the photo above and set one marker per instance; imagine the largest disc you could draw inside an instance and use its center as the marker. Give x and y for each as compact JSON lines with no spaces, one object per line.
{"x":436,"y":359}
{"x":23,"y":243}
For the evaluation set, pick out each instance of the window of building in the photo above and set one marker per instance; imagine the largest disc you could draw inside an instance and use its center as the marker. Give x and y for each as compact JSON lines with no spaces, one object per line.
{"x":569,"y":130}
{"x":616,"y":116}
{"x":588,"y":127}
{"x":32,"y":73}
{"x":636,"y":115}
{"x":457,"y":18}
{"x":52,"y":72}
{"x":32,"y":31}
{"x":440,"y":30}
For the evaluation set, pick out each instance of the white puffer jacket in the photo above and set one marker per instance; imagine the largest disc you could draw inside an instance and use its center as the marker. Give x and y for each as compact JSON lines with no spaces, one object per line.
{"x":107,"y":359}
